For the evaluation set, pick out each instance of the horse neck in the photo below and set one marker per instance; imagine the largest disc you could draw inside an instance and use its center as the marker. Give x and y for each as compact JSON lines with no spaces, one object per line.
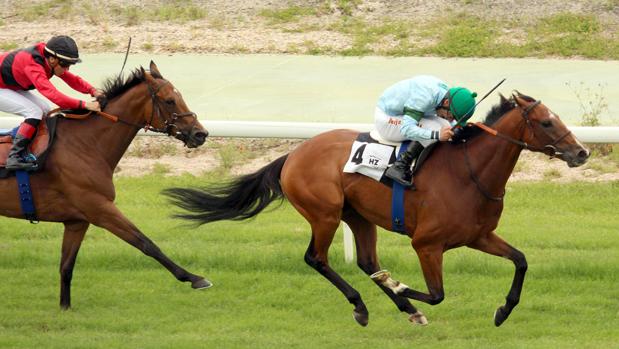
{"x":113,"y":138}
{"x":493,"y":158}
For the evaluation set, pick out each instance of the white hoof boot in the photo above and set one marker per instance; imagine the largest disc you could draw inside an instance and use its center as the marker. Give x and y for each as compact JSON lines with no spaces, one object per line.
{"x":384,"y":278}
{"x":381,"y":276}
{"x":418,"y":318}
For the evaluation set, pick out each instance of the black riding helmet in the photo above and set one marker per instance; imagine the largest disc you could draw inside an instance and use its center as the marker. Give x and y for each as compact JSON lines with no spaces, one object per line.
{"x":63,"y":48}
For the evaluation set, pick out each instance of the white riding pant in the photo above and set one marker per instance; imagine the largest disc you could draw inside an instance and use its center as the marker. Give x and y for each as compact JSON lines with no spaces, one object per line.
{"x":388,"y":127}
{"x":24,"y":103}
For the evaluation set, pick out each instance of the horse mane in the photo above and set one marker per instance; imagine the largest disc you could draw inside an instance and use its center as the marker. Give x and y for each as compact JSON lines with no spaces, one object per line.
{"x":118,"y":85}
{"x":494,"y":115}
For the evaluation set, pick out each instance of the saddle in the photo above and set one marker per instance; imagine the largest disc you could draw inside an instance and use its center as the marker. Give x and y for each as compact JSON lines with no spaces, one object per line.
{"x":40,"y":145}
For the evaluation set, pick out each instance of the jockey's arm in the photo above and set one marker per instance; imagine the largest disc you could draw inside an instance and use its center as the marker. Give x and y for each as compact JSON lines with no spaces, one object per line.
{"x":411,"y":130}
{"x":77,"y":83}
{"x":47,"y":89}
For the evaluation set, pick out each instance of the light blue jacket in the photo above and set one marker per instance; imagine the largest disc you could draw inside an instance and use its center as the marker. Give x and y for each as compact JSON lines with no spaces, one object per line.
{"x":421,"y":93}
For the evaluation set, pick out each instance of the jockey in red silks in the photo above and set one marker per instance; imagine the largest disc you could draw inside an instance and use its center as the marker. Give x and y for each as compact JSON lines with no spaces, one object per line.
{"x":31,"y":68}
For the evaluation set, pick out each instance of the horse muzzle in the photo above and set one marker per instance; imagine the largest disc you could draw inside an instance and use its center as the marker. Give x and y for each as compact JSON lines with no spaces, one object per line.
{"x":195,"y":138}
{"x":576,"y":157}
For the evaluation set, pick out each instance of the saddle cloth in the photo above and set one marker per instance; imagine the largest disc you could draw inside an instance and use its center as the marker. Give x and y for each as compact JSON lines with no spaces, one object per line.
{"x":369,"y":157}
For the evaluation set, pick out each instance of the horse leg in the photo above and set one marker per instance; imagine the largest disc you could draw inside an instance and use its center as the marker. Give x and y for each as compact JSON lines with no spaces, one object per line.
{"x":431,"y":260}
{"x":493,"y":244}
{"x":316,"y":256}
{"x":110,"y":218}
{"x":367,"y":260}
{"x":74,"y":232}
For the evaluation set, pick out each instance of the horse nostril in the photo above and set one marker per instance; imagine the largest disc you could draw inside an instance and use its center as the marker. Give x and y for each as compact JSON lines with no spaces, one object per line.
{"x":200,"y":136}
{"x":583,"y":154}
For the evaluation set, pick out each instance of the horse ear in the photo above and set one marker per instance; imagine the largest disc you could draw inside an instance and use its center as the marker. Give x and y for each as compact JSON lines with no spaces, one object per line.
{"x":154,"y":70}
{"x":503,"y":99}
{"x":517,"y":96}
{"x":147,"y":76}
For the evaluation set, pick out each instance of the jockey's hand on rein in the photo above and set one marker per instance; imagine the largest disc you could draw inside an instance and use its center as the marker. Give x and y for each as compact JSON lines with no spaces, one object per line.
{"x":94,"y":106}
{"x":445,"y":134}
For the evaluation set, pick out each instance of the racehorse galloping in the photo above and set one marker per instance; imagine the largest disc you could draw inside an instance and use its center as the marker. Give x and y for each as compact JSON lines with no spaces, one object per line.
{"x":75,"y":187}
{"x":464,"y":181}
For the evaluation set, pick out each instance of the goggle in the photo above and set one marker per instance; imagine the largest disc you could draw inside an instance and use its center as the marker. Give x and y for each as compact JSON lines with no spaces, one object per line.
{"x":65,"y":64}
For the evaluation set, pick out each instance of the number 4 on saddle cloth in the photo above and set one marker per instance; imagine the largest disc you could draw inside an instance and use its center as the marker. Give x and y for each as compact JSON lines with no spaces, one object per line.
{"x":370,"y":156}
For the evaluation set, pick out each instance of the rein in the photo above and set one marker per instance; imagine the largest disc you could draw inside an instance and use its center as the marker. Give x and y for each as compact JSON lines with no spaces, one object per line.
{"x":476,"y":180}
{"x":169,"y":125}
{"x":525,"y":115}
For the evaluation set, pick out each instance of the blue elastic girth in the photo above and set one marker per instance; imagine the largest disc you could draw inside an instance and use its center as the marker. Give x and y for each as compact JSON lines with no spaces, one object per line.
{"x":397,"y":199}
{"x":25,"y":196}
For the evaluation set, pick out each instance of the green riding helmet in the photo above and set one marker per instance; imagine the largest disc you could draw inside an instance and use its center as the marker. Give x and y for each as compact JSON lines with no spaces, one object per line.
{"x":461,"y":104}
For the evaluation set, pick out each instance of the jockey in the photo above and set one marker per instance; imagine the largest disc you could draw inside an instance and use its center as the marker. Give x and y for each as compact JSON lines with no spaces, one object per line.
{"x":403,"y":105}
{"x":31,"y":68}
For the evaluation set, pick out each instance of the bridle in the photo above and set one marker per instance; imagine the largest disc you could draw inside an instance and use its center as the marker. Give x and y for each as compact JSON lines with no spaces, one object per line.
{"x":551,"y":147}
{"x":170,"y":124}
{"x":548,"y":149}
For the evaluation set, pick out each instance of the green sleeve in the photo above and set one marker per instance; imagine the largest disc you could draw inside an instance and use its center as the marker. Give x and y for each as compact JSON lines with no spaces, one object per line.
{"x":415,"y":114}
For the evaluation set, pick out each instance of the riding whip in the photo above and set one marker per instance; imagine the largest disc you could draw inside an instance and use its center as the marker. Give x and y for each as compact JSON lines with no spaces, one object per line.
{"x":126,"y":55}
{"x":484,"y":97}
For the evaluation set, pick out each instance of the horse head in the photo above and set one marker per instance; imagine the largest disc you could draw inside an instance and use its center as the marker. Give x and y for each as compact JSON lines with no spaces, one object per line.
{"x":546,"y":133}
{"x":169,"y":113}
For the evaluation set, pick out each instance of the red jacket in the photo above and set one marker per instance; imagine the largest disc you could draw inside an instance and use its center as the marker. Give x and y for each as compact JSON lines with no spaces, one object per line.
{"x":27,"y":69}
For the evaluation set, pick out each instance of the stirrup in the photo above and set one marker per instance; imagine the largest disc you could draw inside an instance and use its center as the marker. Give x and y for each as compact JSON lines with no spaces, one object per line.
{"x":398,"y":176}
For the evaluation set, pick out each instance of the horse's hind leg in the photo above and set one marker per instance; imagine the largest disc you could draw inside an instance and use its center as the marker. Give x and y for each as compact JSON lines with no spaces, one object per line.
{"x":109,"y":217}
{"x":317,"y":257}
{"x":367,"y":260}
{"x":493,"y":244}
{"x":73,"y":236}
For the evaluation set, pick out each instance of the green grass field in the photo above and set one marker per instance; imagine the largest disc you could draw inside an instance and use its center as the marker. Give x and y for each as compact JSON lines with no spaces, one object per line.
{"x":265,"y":296}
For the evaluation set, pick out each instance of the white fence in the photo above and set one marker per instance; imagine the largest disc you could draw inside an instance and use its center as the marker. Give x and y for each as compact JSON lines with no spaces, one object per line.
{"x":273,"y":129}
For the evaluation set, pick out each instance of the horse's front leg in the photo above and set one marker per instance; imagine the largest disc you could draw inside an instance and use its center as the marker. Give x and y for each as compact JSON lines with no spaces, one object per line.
{"x":431,"y":259}
{"x":367,"y":260}
{"x":107,"y":216}
{"x":74,"y":232}
{"x":493,"y":244}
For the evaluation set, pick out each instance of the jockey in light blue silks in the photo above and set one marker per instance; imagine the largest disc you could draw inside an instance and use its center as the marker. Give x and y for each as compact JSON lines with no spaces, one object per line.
{"x":402,"y":108}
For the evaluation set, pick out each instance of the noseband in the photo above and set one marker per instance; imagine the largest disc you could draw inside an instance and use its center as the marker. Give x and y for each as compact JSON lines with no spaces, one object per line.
{"x":170,"y":124}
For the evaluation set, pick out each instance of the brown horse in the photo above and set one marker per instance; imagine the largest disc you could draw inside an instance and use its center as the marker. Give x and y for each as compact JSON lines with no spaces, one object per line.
{"x":458,"y":201}
{"x":75,"y":187}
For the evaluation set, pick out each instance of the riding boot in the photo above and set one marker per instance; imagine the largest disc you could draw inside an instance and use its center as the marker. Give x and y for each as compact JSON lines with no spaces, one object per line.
{"x":19,"y":158}
{"x":401,"y":171}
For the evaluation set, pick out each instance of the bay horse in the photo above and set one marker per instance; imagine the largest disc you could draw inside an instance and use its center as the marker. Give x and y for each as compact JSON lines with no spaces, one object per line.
{"x":458,"y":200}
{"x":75,"y":186}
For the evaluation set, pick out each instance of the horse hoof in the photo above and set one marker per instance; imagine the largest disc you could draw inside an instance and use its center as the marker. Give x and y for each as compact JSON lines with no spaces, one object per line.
{"x":361,"y":318}
{"x":201,"y":284}
{"x":500,"y":315}
{"x":418,"y":318}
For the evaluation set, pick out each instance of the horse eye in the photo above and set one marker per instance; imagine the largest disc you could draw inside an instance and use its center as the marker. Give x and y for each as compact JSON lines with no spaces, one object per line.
{"x":170,"y":102}
{"x":546,"y":123}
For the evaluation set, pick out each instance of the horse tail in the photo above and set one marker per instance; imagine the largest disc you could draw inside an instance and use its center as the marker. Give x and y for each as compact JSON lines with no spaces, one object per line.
{"x":242,"y":198}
